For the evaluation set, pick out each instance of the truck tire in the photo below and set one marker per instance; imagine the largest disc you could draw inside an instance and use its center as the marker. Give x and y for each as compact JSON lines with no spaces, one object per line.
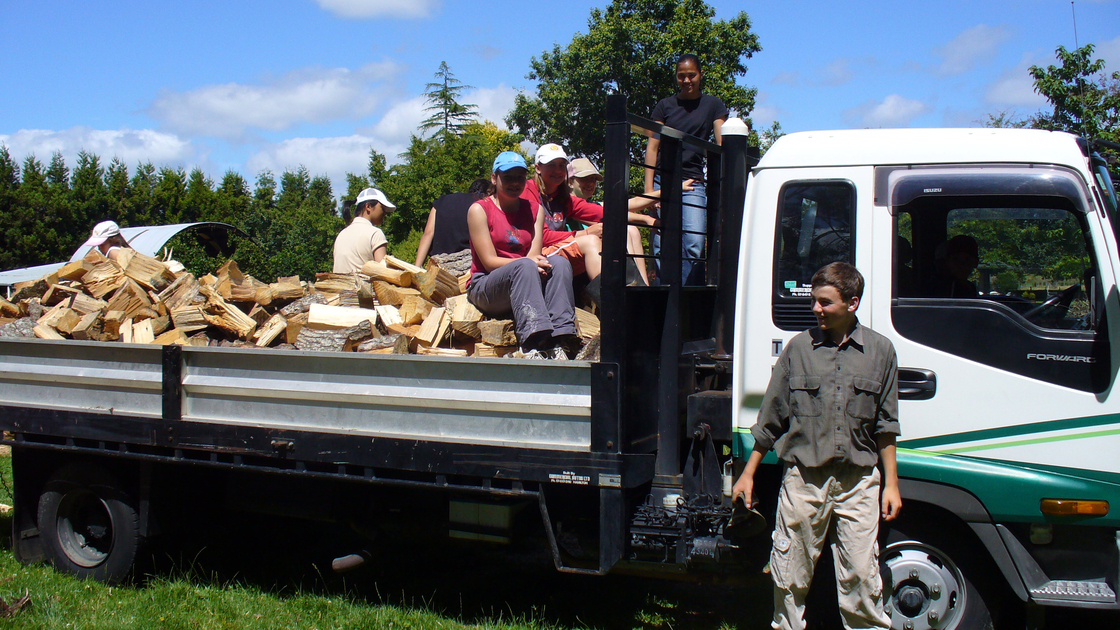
{"x":937,"y":580}
{"x":88,"y":524}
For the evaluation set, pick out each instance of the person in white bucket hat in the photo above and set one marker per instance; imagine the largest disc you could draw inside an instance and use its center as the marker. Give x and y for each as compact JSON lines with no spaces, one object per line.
{"x":106,"y":237}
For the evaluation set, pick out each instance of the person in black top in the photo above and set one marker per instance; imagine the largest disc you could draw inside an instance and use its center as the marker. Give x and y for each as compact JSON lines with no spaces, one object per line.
{"x":449,"y":234}
{"x":700,"y":115}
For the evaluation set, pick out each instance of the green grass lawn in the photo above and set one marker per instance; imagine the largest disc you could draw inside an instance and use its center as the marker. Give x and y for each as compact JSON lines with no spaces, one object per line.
{"x":462,"y":588}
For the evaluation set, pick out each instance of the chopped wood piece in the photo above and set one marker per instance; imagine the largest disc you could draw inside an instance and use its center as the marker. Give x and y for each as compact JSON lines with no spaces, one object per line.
{"x":67,"y":321}
{"x":378,"y":343}
{"x":287,"y":288}
{"x":414,"y":309}
{"x":325,"y":317}
{"x":51,"y":317}
{"x":591,"y":350}
{"x":46,"y":332}
{"x":436,"y":284}
{"x":57,"y":293}
{"x":111,"y":325}
{"x":263,"y":296}
{"x":380,"y":271}
{"x":389,"y":314}
{"x":173,"y":337}
{"x":456,"y":263}
{"x":487,"y":350}
{"x":348,"y":299}
{"x":225,"y":315}
{"x":464,"y":280}
{"x":142,"y":332}
{"x":181,"y":292}
{"x":84,"y":304}
{"x":29,"y":289}
{"x":126,"y":331}
{"x":586,"y":323}
{"x":429,"y":334}
{"x":392,"y":294}
{"x":464,"y":316}
{"x":148,"y":272}
{"x":442,"y":352}
{"x":130,"y":298}
{"x":271,"y":330}
{"x":89,"y":327}
{"x":336,"y":340}
{"x":259,"y":314}
{"x":8,"y":309}
{"x":335,"y":282}
{"x":103,"y":279}
{"x":189,"y":318}
{"x":401,"y":329}
{"x":403,"y":345}
{"x":498,"y":332}
{"x":200,"y":340}
{"x":296,"y":323}
{"x":74,"y":270}
{"x":301,"y":305}
{"x":160,"y":324}
{"x":397,"y":263}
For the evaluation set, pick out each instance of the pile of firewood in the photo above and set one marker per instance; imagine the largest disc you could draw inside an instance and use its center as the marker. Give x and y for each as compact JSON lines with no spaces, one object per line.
{"x":390,"y":307}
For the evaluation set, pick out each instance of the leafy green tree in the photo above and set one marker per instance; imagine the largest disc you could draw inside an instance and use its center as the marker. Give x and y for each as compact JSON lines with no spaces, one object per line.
{"x":89,"y":196}
{"x":448,"y":114}
{"x":631,"y":47}
{"x":118,"y":192}
{"x":142,"y":209}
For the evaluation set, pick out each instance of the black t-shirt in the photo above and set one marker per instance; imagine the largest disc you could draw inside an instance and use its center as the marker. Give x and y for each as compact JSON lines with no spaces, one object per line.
{"x":451,"y":232}
{"x":696,"y":117}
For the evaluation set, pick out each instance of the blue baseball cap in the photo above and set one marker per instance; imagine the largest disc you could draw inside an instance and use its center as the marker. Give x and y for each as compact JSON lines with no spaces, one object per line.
{"x":507,"y":160}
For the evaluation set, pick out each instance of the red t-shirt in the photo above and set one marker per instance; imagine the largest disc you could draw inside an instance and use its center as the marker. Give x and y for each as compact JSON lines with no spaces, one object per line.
{"x":558,"y":211}
{"x":512,"y":234}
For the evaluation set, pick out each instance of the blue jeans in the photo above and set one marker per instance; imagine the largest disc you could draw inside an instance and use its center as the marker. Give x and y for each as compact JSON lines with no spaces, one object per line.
{"x":694,"y":205}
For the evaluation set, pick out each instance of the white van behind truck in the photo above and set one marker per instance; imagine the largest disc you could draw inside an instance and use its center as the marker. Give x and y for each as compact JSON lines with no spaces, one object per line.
{"x":1010,"y":447}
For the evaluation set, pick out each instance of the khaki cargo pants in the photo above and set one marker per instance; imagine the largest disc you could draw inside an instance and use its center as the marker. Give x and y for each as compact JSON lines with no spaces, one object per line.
{"x":840,"y":502}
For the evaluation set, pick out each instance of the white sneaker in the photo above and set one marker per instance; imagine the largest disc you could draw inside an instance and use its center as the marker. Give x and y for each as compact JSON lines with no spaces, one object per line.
{"x":532,"y":354}
{"x":556,"y":354}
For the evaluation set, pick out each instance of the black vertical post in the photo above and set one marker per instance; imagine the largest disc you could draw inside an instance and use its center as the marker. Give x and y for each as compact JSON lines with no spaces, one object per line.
{"x":607,"y":375}
{"x":668,"y":418}
{"x":712,"y":241}
{"x":738,"y":159}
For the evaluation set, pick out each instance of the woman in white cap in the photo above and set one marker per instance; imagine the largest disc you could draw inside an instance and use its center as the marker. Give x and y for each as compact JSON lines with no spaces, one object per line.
{"x":106,"y":237}
{"x":509,"y":274}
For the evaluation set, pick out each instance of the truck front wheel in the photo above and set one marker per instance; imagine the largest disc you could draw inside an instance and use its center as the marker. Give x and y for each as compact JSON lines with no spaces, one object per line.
{"x":88,"y":524}
{"x":937,"y":581}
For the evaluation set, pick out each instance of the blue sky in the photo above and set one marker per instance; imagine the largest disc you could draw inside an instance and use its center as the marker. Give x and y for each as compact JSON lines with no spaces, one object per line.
{"x":251,"y":85}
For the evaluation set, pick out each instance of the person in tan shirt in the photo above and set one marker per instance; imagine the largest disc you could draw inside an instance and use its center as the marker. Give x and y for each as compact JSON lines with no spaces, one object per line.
{"x":363,"y":240}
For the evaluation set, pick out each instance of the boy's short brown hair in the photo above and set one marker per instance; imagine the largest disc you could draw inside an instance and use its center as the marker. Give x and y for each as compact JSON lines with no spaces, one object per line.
{"x":845,"y":277}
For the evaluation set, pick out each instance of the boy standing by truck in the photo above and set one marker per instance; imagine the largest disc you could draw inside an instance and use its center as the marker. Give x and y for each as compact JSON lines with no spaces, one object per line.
{"x":831,"y":414}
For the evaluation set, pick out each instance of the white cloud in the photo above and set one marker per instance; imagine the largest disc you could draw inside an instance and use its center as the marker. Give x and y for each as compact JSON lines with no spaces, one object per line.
{"x":1015,"y":88}
{"x":333,"y":157}
{"x":1110,"y":52}
{"x":493,"y":103}
{"x":309,"y":95}
{"x":130,"y":145}
{"x":365,"y":9}
{"x":838,"y":72}
{"x":972,"y":47}
{"x":786,"y":78}
{"x":893,"y":111}
{"x":401,"y":121}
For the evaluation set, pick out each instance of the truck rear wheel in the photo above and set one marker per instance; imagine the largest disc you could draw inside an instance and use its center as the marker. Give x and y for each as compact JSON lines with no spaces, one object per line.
{"x":88,"y":524}
{"x":927,"y":586}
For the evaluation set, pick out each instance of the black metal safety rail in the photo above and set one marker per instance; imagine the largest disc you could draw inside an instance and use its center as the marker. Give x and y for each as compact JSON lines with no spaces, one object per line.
{"x":651,"y":336}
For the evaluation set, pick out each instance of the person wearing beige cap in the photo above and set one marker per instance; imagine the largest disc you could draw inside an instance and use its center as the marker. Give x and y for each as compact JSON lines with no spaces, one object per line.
{"x":363,"y":240}
{"x":106,"y":237}
{"x":583,"y":178}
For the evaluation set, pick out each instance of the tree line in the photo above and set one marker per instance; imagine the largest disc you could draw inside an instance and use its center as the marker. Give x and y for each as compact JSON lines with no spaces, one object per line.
{"x":287,"y":225}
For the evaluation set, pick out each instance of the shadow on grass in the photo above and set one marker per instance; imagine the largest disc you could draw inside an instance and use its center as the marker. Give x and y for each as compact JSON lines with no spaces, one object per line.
{"x":472,"y":583}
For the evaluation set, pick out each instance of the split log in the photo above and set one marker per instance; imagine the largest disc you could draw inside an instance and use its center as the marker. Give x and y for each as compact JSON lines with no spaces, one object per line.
{"x":392,"y":294}
{"x":148,"y":272}
{"x":67,"y":321}
{"x":498,"y":332}
{"x":46,"y":332}
{"x":103,"y":279}
{"x":401,"y":329}
{"x":335,"y":282}
{"x":51,"y":317}
{"x":111,"y":325}
{"x":160,"y":324}
{"x":348,"y":299}
{"x":380,"y":271}
{"x":389,"y":314}
{"x":142,"y":332}
{"x":74,"y":270}
{"x":88,"y":328}
{"x":295,"y":324}
{"x":126,"y":331}
{"x":403,"y":345}
{"x":57,"y":293}
{"x":84,"y":304}
{"x":226,"y":316}
{"x":324,"y":317}
{"x":287,"y":288}
{"x":379,"y":343}
{"x":464,"y":316}
{"x":181,"y":292}
{"x":271,"y":330}
{"x":130,"y":298}
{"x":415,"y":309}
{"x":464,"y":280}
{"x":429,"y":334}
{"x":337,"y":340}
{"x":442,"y":352}
{"x":259,"y":314}
{"x":189,"y":318}
{"x":397,"y":263}
{"x":436,"y":284}
{"x":303,"y":304}
{"x":8,"y":309}
{"x":591,"y":350}
{"x":456,"y":263}
{"x":487,"y":350}
{"x":172,"y":337}
{"x":587,"y":324}
{"x":29,"y":289}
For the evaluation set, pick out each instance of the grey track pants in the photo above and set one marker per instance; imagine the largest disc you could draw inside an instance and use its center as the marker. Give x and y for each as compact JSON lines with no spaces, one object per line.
{"x":539,"y":304}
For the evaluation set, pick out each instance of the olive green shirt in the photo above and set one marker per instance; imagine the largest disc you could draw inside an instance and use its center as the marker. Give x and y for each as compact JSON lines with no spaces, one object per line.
{"x":828,"y":403}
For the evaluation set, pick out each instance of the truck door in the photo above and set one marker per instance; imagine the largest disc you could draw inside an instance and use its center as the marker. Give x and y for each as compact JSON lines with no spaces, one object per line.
{"x":1001,"y":297}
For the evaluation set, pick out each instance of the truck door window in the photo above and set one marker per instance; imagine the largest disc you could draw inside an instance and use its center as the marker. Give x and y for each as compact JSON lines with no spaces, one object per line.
{"x":814,"y":228}
{"x":1007,"y":281}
